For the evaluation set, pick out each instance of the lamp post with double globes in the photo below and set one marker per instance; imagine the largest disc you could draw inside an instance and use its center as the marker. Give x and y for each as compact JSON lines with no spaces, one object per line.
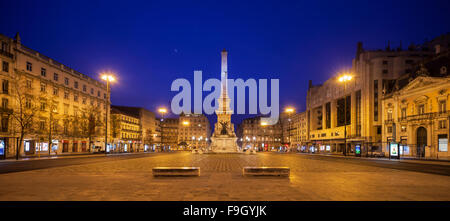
{"x":109,"y":78}
{"x":346,"y":77}
{"x":185,"y":124}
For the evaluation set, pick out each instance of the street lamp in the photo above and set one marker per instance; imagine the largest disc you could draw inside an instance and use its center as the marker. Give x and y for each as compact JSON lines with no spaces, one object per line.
{"x":185,"y":123}
{"x":109,"y":78}
{"x":346,"y":77}
{"x":52,"y":111}
{"x":289,"y":111}
{"x":162,"y":111}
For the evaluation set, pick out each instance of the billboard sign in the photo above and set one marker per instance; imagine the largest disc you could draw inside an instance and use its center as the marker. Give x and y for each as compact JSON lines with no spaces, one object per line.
{"x":358,"y":150}
{"x":393,"y":150}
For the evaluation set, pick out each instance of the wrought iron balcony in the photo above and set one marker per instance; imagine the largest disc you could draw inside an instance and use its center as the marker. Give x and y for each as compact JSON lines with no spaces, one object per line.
{"x":7,"y":54}
{"x":421,"y":117}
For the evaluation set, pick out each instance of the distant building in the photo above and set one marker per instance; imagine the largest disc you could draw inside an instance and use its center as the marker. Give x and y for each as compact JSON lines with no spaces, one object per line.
{"x":252,"y":134}
{"x":169,"y":128}
{"x":299,"y":131}
{"x":194,"y":131}
{"x":126,"y":131}
{"x":140,"y":128}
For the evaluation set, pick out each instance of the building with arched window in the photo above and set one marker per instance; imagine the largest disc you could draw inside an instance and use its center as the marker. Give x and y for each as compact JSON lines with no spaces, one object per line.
{"x":416,"y":110}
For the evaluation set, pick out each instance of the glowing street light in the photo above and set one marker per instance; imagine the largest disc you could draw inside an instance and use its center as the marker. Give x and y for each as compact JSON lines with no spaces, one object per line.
{"x":162,"y":111}
{"x":346,"y":77}
{"x":185,"y":123}
{"x":264,"y":124}
{"x":289,"y":111}
{"x":109,"y":78}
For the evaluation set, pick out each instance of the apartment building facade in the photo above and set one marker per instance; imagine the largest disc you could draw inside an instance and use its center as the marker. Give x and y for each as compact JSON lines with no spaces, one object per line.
{"x":144,"y":131}
{"x":299,"y":131}
{"x":126,"y":131}
{"x":169,"y":135}
{"x":253,"y":134}
{"x":53,"y":107}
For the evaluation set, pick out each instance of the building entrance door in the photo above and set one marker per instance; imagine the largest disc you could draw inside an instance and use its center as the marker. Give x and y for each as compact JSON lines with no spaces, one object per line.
{"x":75,"y":147}
{"x":421,"y":141}
{"x":65,"y":147}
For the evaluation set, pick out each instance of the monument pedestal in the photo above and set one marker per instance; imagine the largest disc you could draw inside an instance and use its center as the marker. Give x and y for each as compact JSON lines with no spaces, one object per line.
{"x":224,"y":144}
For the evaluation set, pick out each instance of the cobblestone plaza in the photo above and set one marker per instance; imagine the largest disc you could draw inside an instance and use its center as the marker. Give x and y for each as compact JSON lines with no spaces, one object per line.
{"x":312,"y":178}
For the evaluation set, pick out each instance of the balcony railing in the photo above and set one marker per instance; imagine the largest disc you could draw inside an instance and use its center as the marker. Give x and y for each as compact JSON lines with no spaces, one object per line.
{"x":421,"y":117}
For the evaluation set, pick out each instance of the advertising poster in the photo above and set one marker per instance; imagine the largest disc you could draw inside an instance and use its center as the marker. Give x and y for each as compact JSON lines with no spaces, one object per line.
{"x":394,"y":150}
{"x":2,"y":147}
{"x":358,"y":150}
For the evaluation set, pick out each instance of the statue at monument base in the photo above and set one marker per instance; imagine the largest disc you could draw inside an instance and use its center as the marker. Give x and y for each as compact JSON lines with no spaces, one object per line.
{"x":224,"y":144}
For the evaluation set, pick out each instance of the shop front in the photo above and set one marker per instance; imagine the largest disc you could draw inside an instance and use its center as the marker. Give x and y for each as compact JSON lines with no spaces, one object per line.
{"x":83,"y":146}
{"x":28,"y":147}
{"x":41,"y":147}
{"x":65,"y":146}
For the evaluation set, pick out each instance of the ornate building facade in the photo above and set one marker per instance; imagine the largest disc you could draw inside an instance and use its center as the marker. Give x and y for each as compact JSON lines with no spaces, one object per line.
{"x":254,"y":135}
{"x":416,"y":110}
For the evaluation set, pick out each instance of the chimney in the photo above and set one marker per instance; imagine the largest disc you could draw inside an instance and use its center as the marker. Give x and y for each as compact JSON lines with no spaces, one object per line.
{"x":17,"y":37}
{"x":310,"y":84}
{"x":359,"y":50}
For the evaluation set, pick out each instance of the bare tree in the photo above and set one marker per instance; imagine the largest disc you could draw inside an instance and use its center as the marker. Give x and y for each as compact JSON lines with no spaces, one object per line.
{"x":149,"y":137}
{"x":25,"y":110}
{"x":53,"y":120}
{"x":91,"y":123}
{"x":115,"y":126}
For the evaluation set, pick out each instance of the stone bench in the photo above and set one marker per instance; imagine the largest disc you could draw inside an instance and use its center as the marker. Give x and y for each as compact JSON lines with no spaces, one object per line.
{"x":266,"y":171}
{"x":176,"y":171}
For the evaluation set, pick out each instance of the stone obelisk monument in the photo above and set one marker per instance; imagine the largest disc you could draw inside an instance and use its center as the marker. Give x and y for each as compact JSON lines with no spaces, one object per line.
{"x":224,"y":139}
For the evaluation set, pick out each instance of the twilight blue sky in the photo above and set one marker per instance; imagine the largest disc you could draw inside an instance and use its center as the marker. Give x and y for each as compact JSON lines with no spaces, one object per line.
{"x":151,"y":43}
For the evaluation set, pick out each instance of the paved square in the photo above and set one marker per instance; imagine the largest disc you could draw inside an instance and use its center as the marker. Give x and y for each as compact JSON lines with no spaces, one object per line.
{"x":312,"y":178}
